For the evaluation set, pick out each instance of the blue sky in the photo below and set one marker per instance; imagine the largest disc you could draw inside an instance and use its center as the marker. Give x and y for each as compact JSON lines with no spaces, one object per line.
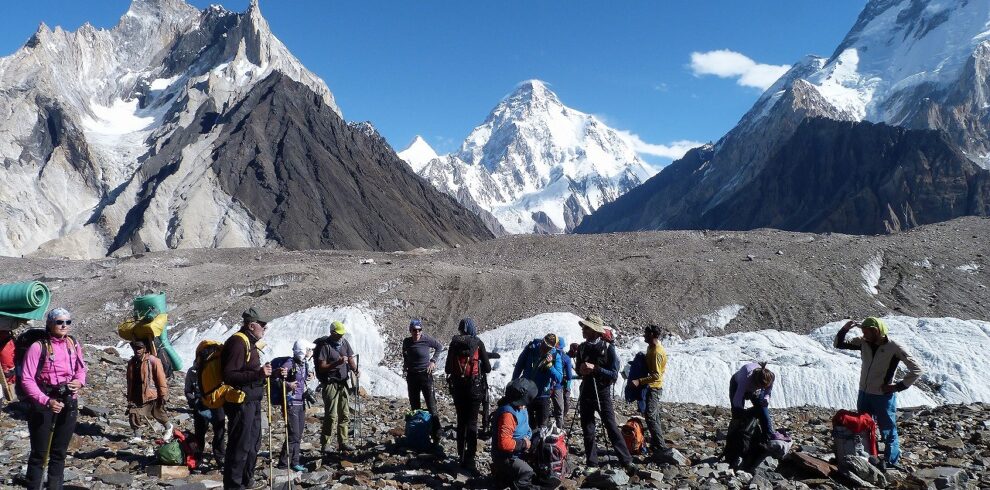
{"x":436,"y":68}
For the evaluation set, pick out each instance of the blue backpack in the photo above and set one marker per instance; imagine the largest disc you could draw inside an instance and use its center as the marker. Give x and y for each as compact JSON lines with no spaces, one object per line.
{"x":419,"y":425}
{"x":637,"y":369}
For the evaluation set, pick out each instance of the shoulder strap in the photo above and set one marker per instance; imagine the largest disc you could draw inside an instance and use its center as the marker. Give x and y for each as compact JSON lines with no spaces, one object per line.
{"x":247,"y":346}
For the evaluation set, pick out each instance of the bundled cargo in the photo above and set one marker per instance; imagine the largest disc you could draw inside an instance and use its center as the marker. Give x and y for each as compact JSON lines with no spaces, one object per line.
{"x":26,"y":300}
{"x":150,"y":323}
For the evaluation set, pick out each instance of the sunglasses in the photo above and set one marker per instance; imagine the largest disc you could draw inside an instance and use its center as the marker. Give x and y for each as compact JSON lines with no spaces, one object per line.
{"x":67,"y":323}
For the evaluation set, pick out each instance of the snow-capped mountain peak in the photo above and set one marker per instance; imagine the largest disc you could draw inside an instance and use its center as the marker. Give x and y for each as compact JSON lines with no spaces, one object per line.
{"x":538,"y":165}
{"x":418,"y":153}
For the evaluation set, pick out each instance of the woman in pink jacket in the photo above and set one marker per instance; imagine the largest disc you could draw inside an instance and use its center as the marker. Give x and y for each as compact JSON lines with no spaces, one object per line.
{"x":53,"y":372}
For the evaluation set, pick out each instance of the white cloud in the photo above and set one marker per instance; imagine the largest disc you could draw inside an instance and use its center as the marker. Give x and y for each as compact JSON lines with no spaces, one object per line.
{"x":673,"y":151}
{"x":725,"y":63}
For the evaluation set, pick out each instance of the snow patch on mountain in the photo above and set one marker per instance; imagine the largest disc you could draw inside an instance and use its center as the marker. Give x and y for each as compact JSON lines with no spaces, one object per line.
{"x":711,"y":323}
{"x":871,"y":274}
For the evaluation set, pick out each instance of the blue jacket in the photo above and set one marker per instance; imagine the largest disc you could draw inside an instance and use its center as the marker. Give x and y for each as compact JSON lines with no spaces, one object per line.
{"x":532,"y":366}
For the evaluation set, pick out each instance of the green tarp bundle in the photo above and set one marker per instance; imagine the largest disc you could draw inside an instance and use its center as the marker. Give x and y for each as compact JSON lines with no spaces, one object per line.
{"x":27,"y":300}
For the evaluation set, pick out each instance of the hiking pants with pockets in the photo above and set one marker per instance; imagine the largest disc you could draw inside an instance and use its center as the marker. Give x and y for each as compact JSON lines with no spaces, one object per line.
{"x":883,"y":409}
{"x":40,"y":423}
{"x":336,"y":413}
{"x":204,"y":419}
{"x":244,"y":422}
{"x":560,"y":401}
{"x":589,"y":403}
{"x":513,"y":473}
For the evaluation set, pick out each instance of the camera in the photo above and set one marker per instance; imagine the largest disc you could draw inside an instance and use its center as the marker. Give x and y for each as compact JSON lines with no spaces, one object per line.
{"x":61,"y":392}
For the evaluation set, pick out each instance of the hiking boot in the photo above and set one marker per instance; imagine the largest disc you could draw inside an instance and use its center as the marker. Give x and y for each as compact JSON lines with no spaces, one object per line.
{"x":168,"y":435}
{"x":346,"y":447}
{"x":299,"y":468}
{"x":591,"y":470}
{"x":631,"y":468}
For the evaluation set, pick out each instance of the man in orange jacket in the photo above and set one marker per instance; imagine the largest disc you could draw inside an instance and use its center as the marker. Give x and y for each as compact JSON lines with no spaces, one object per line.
{"x":147,"y":390}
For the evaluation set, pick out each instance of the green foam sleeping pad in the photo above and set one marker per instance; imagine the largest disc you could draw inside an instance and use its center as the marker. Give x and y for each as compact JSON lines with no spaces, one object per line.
{"x":26,"y":300}
{"x":149,"y":306}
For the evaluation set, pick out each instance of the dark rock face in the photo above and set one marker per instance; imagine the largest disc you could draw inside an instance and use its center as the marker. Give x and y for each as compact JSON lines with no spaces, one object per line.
{"x":318,"y":183}
{"x":830,"y":176}
{"x":313,"y":180}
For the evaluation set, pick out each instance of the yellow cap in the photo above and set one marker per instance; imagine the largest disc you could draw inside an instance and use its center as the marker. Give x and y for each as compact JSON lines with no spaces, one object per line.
{"x":338,"y":327}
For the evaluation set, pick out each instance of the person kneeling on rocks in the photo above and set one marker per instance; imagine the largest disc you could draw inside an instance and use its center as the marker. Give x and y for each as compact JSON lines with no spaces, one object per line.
{"x":512,"y":437}
{"x":334,"y":361}
{"x":52,"y":373}
{"x":147,"y":391}
{"x":877,"y":390}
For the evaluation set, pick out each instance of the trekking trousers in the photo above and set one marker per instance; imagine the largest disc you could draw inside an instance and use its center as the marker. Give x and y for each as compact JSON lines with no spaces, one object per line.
{"x":559,"y":399}
{"x":201,"y":422}
{"x":883,"y":409}
{"x":244,"y":422}
{"x":336,"y":413}
{"x":588,"y":404}
{"x":40,"y":430}
{"x":654,"y":422}
{"x":422,"y":382}
{"x":468,"y":406}
{"x":512,"y":472}
{"x":296,"y":424}
{"x":539,"y":412}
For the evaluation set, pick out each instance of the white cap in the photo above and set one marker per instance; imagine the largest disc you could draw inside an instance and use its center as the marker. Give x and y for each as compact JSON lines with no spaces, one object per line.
{"x":300,"y":347}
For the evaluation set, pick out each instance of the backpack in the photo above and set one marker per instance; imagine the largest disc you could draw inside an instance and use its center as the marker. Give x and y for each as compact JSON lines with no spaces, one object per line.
{"x":22,"y":343}
{"x":320,"y":343}
{"x":276,"y":385}
{"x":467,"y":361}
{"x":419,"y":429}
{"x":853,"y":434}
{"x":550,"y":451}
{"x":632,"y":433}
{"x":637,"y":370}
{"x":742,"y":447}
{"x":215,"y":391}
{"x":170,"y":454}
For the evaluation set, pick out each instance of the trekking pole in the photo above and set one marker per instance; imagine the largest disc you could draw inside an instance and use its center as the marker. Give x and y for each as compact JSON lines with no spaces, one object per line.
{"x":359,"y":429}
{"x":271,"y":463}
{"x":48,"y":452}
{"x":285,"y":418}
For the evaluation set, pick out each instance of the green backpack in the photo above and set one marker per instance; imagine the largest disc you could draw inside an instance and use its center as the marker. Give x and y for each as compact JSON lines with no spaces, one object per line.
{"x":170,"y":454}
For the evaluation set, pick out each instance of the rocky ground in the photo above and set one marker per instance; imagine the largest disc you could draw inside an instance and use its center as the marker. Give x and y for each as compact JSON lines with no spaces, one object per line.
{"x":944,"y":447}
{"x":786,"y":281}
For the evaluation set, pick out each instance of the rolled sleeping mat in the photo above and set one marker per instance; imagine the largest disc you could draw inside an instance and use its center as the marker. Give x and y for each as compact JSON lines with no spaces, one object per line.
{"x":170,"y":351}
{"x":149,"y":306}
{"x":26,"y":300}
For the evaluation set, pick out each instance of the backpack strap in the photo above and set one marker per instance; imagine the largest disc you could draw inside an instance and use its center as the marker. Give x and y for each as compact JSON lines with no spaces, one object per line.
{"x":247,"y":345}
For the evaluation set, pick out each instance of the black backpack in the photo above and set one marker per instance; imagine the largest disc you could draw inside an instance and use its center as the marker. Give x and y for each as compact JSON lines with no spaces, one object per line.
{"x":22,"y":343}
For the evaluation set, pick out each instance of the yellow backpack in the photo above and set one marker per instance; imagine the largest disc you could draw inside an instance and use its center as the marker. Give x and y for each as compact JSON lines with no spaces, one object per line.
{"x":215,"y":391}
{"x":131,"y":330}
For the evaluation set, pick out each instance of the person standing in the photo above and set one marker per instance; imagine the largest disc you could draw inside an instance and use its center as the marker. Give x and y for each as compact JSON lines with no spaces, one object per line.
{"x":147,"y":391}
{"x":203,"y":416}
{"x":877,"y":389}
{"x":598,"y":367}
{"x":656,"y":366}
{"x":334,"y":362}
{"x":243,"y":370}
{"x":511,"y":437}
{"x":540,"y":363}
{"x":419,"y":360}
{"x":467,"y":364}
{"x":293,"y":374}
{"x":560,"y":393}
{"x":7,"y":360}
{"x":53,"y":372}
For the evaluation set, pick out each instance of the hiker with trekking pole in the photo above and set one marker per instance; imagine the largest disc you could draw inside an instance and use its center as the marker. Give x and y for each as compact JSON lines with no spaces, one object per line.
{"x":288,"y":392}
{"x":53,"y":371}
{"x":466,"y":368}
{"x":419,"y":361}
{"x":598,"y":367}
{"x":248,"y":379}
